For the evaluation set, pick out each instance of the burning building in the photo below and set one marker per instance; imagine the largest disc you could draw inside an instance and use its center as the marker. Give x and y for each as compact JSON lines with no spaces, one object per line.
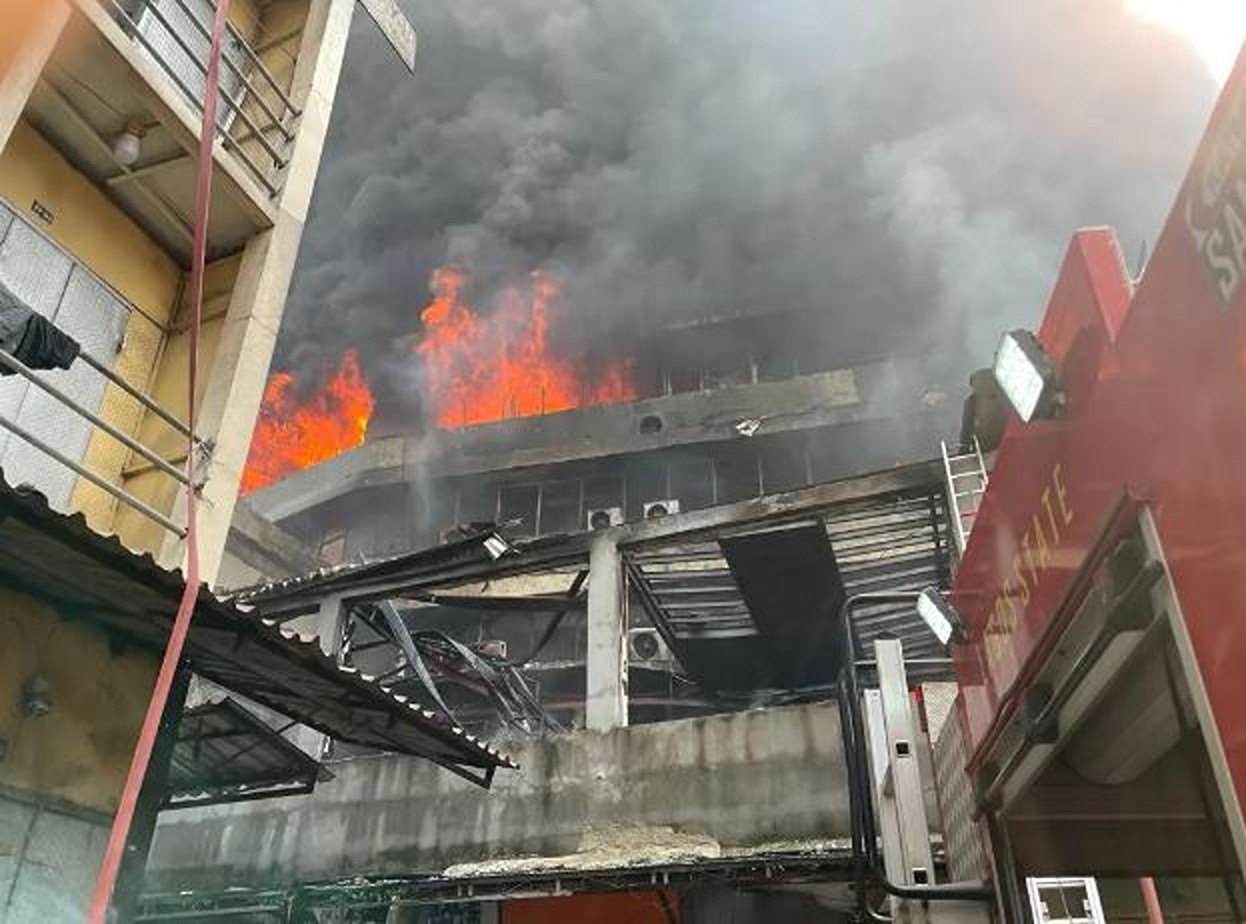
{"x":591,"y":518}
{"x":547,"y":444}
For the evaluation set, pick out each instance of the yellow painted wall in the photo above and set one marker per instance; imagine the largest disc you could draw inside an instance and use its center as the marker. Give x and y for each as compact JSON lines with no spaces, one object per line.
{"x":87,"y":224}
{"x":98,"y":234}
{"x":169,"y":389}
{"x":80,"y":751}
{"x":155,"y":354}
{"x":245,"y":16}
{"x":21,"y":19}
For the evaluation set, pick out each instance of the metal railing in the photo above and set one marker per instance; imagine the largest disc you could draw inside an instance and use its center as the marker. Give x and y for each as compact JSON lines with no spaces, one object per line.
{"x":15,"y":365}
{"x":277,"y":113}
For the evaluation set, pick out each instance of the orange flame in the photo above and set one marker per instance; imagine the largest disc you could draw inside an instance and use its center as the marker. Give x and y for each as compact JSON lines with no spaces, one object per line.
{"x":290,"y":435}
{"x":484,"y":369}
{"x":476,"y":370}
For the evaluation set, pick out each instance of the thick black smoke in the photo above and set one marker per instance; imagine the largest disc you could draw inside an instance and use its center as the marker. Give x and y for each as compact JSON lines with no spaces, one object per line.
{"x":909,"y":168}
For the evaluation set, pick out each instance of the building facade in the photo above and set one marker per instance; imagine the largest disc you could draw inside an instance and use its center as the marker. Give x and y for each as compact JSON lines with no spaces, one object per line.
{"x":100,"y":105}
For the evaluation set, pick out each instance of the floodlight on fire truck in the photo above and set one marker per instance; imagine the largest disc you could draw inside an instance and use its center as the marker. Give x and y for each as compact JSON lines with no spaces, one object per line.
{"x":941,"y":617}
{"x":1027,"y":377}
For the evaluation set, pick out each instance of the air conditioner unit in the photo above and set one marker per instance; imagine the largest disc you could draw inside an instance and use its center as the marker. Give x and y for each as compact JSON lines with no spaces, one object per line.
{"x":493,"y":648}
{"x":661,"y":508}
{"x":646,"y":646}
{"x":604,"y":517}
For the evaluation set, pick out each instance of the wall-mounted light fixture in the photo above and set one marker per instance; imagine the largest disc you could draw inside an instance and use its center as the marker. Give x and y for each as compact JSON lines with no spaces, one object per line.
{"x":1027,"y":377}
{"x":36,"y":696}
{"x":128,"y":146}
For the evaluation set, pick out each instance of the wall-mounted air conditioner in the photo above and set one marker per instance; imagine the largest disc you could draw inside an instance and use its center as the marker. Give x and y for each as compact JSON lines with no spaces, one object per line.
{"x":604,"y":517}
{"x":646,"y":646}
{"x":493,"y":648}
{"x":661,"y":508}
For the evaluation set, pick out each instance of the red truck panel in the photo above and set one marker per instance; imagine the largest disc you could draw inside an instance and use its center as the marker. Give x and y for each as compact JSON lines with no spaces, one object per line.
{"x":1157,"y":411}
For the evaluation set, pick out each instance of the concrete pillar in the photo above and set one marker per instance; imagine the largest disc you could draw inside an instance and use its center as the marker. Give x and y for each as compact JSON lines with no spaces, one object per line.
{"x":234,"y":385}
{"x":605,"y":704}
{"x":35,"y":28}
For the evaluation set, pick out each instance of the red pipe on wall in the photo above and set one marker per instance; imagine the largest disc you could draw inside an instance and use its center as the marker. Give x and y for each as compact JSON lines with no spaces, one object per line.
{"x":1150,"y":895}
{"x":106,"y":882}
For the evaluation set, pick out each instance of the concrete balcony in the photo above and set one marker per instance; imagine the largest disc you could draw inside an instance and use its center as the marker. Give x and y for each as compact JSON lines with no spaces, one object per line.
{"x":141,"y":62}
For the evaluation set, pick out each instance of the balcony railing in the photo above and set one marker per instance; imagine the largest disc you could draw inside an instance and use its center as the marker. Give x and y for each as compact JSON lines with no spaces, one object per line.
{"x":257,"y":120}
{"x":16,"y":365}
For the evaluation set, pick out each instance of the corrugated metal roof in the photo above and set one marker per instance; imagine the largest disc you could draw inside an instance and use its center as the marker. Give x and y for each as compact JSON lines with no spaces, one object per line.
{"x":481,"y":545}
{"x":60,"y":559}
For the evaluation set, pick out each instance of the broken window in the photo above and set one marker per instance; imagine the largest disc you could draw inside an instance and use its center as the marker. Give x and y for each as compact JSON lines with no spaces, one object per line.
{"x":727,"y":370}
{"x":478,"y":503}
{"x":736,"y":477}
{"x":518,"y":502}
{"x":774,"y":363}
{"x":560,"y":508}
{"x":683,"y":376}
{"x":783,"y":465}
{"x":692,"y":482}
{"x":602,"y":492}
{"x":646,"y":479}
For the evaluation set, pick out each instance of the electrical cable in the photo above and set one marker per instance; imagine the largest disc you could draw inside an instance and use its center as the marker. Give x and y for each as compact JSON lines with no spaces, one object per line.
{"x":106,"y":882}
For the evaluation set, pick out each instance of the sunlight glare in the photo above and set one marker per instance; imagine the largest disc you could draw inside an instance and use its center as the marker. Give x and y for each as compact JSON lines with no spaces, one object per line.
{"x":1216,"y":28}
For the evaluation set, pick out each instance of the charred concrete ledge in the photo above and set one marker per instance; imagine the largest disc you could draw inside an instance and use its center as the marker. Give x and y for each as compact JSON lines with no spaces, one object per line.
{"x":260,"y":550}
{"x":897,"y":388}
{"x":719,"y":784}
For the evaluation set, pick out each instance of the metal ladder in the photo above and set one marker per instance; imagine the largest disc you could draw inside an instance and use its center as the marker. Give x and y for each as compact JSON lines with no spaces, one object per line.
{"x":965,"y":478}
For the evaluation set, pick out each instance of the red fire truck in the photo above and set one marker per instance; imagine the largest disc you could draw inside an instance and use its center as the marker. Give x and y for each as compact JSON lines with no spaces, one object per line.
{"x":1102,"y":672}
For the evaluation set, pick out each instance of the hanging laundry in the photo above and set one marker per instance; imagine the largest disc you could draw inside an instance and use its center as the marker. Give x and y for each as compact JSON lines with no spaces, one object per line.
{"x":31,"y":337}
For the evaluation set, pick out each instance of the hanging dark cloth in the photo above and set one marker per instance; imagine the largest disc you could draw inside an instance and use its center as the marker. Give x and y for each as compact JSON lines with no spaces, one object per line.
{"x":31,"y":337}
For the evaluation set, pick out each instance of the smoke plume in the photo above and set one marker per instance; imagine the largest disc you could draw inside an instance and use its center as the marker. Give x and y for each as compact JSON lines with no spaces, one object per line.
{"x":910,"y":169}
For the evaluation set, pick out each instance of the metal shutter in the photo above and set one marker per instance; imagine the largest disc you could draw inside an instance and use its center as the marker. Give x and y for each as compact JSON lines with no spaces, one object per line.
{"x":87,"y":310}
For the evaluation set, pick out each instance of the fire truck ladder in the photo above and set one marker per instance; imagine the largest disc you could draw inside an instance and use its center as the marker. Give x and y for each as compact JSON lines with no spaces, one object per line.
{"x":965,"y":478}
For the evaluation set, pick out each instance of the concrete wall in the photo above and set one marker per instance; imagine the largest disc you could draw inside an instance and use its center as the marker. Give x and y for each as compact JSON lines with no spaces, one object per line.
{"x":48,"y":861}
{"x":901,"y":390}
{"x":233,"y":383}
{"x":168,"y":387}
{"x":78,"y":753}
{"x":99,"y":235}
{"x":61,"y":773}
{"x":721,"y":782}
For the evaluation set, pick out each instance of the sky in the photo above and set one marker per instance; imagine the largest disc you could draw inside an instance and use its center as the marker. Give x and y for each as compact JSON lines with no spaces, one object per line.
{"x":1216,"y":28}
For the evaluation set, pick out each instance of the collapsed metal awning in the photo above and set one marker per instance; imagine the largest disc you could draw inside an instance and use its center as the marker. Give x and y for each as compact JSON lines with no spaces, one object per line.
{"x":84,"y":574}
{"x":223,"y":753}
{"x":753,"y":608}
{"x":790,"y":582}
